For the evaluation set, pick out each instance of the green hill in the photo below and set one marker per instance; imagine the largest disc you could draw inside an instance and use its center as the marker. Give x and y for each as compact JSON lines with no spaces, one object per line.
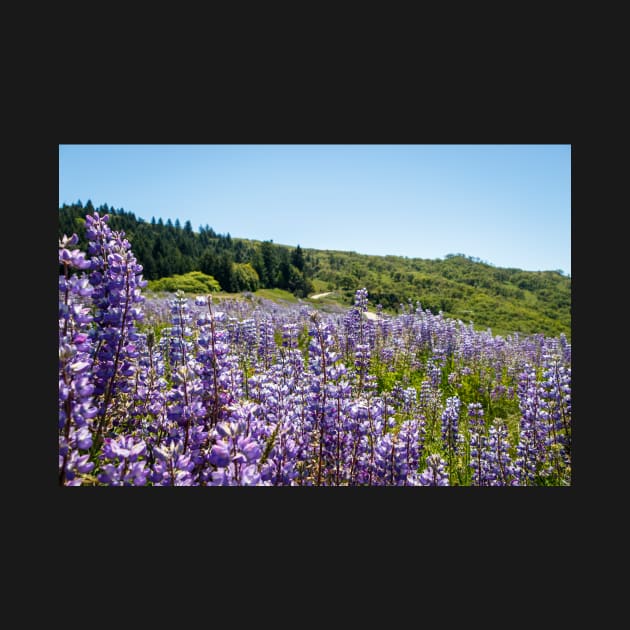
{"x":462,"y":287}
{"x":503,"y":299}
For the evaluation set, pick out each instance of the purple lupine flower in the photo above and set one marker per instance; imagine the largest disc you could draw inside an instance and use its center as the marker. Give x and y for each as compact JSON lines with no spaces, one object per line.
{"x":267,"y":344}
{"x":499,"y":466}
{"x":116,"y":279}
{"x":75,"y":258}
{"x":219,"y":400}
{"x":121,"y":464}
{"x":359,"y":424}
{"x":233,"y":454}
{"x":171,"y":466}
{"x":220,"y":376}
{"x":555,"y":403}
{"x":409,"y":449}
{"x":220,"y":455}
{"x":478,"y":440}
{"x":434,"y":475}
{"x":450,"y":418}
{"x":76,"y":401}
{"x":76,"y":465}
{"x":385,"y":460}
{"x":428,"y":408}
{"x":531,"y":450}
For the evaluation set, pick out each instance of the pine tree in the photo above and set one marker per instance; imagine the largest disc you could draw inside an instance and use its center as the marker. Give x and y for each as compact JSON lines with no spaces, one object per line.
{"x":297,"y":258}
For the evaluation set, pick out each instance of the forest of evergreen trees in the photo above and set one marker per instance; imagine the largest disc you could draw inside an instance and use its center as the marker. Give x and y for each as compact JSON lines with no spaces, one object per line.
{"x":166,"y":248}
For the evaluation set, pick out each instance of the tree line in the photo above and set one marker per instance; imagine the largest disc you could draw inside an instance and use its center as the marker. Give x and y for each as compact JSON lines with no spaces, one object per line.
{"x":170,"y":248}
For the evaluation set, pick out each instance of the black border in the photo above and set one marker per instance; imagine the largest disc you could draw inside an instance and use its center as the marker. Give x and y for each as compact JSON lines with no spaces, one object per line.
{"x":348,"y":522}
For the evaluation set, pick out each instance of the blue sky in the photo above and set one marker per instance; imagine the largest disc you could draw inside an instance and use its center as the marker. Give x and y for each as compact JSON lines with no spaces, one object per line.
{"x":509,"y":205}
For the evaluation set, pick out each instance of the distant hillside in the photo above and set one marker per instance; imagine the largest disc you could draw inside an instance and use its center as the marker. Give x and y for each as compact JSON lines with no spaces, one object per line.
{"x":505,"y":300}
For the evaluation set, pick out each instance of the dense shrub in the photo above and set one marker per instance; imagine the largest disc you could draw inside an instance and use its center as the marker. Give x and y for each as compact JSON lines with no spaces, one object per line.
{"x":191,"y":282}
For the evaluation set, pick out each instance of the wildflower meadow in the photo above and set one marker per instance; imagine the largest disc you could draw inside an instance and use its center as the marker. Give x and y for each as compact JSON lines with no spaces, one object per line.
{"x":202,"y":391}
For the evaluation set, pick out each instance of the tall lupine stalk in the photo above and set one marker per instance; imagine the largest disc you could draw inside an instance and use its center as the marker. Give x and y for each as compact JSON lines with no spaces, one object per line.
{"x":357,"y":446}
{"x":302,"y":422}
{"x":478,"y":444}
{"x":531,"y":449}
{"x":434,"y":372}
{"x":433,"y":475}
{"x":499,"y":469}
{"x":281,"y":438}
{"x":336,"y":436}
{"x":450,"y":427}
{"x":362,"y":356}
{"x":397,"y":455}
{"x":117,"y":281}
{"x":121,"y":464}
{"x":150,"y":393}
{"x":320,"y":357}
{"x":382,"y":332}
{"x":180,"y":333}
{"x":268,"y":425}
{"x":555,"y":404}
{"x":334,"y":458}
{"x":408,"y":450}
{"x":384,"y":473}
{"x":428,"y":406}
{"x":185,"y":407}
{"x":212,"y":354}
{"x":376,"y":427}
{"x":566,"y":349}
{"x":172,"y":467}
{"x":356,"y":343}
{"x":76,"y":403}
{"x":411,"y":419}
{"x":267,"y":343}
{"x":235,"y":454}
{"x":290,"y":353}
{"x":246,"y":349}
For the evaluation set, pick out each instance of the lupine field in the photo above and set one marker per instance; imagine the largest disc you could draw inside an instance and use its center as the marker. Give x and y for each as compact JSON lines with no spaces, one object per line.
{"x":195,"y":392}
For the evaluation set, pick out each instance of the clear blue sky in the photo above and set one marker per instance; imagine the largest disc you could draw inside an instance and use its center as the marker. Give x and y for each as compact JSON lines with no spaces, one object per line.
{"x":509,"y":205}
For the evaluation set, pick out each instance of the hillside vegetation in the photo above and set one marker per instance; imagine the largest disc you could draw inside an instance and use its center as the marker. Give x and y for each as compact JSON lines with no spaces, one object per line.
{"x":461,"y":287}
{"x":503,"y":299}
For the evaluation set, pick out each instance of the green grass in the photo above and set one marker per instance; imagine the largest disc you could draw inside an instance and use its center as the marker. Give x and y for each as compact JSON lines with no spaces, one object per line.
{"x":320,"y":286}
{"x":276,"y":295}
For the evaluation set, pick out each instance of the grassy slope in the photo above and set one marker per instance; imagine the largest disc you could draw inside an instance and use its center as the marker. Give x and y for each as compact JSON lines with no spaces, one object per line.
{"x":505,"y":300}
